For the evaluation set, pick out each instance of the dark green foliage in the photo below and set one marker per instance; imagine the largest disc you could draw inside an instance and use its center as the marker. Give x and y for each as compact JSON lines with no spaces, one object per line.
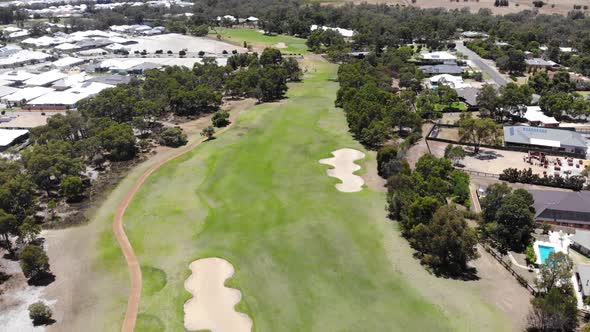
{"x":72,"y":188}
{"x":40,"y":313}
{"x":208,"y":132}
{"x":574,"y":182}
{"x":220,"y":118}
{"x":173,"y":137}
{"x":33,"y":261}
{"x":508,"y":216}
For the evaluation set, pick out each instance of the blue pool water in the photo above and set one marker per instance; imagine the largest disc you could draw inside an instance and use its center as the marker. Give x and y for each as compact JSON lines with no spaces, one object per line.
{"x":544,"y":251}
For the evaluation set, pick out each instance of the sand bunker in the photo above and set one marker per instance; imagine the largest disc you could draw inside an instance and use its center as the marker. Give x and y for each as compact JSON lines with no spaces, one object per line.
{"x":212,"y":305}
{"x":280,"y":45}
{"x":344,"y":166}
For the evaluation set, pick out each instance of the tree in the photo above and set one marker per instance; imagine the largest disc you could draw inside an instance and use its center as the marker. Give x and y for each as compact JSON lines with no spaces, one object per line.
{"x":40,"y":313}
{"x":72,"y":188}
{"x":530,"y":255}
{"x":556,"y":311}
{"x":173,"y":137}
{"x":208,"y":132}
{"x":33,"y":261}
{"x":478,"y":131}
{"x":515,"y":220}
{"x":556,"y":272}
{"x":492,"y":202}
{"x":419,"y":212}
{"x":488,"y":100}
{"x":555,"y":104}
{"x":29,"y":230}
{"x":8,"y":228}
{"x":454,"y":153}
{"x":447,"y":242}
{"x":270,"y":56}
{"x":220,"y":118}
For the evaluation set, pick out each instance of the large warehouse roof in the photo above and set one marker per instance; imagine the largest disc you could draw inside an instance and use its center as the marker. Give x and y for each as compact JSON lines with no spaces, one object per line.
{"x":7,"y":136}
{"x":27,"y":94}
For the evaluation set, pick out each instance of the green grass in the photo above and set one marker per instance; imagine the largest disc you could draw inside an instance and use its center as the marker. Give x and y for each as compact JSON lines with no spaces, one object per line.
{"x":238,"y":36}
{"x":307,"y":257}
{"x":457,"y":106}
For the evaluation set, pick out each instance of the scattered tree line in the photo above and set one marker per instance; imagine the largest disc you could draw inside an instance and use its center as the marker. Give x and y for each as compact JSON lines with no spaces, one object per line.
{"x":418,"y":200}
{"x":574,"y":182}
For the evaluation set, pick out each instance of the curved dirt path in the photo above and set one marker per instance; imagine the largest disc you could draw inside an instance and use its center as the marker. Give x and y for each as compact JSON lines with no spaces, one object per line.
{"x":119,"y":231}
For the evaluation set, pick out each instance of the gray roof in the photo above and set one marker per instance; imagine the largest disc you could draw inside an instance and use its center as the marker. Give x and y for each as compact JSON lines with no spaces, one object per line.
{"x":584,"y":273}
{"x":524,"y":135}
{"x":582,"y":238}
{"x":145,"y":66}
{"x":469,"y":95}
{"x":442,"y":69}
{"x":111,"y":79}
{"x":572,"y":201}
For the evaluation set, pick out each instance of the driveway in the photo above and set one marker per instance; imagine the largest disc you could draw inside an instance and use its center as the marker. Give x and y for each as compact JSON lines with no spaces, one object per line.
{"x":482,"y":64}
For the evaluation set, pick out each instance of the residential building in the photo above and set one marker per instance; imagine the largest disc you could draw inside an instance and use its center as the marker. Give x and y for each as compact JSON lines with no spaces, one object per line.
{"x":451,"y":69}
{"x":563,"y":208}
{"x":581,"y":242}
{"x":539,"y":63}
{"x":537,"y":118}
{"x":440,"y":57}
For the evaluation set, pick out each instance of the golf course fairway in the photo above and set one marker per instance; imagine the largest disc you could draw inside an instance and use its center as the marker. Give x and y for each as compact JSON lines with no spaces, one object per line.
{"x":307,"y":257}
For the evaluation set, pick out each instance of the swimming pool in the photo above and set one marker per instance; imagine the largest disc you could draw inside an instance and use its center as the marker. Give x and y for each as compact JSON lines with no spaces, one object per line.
{"x":544,"y":252}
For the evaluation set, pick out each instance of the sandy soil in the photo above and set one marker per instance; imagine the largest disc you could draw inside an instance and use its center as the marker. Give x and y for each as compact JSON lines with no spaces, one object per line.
{"x":212,"y":307}
{"x":15,"y":298}
{"x":280,"y":45}
{"x":344,"y":167}
{"x":420,"y":148}
{"x":177,"y":42}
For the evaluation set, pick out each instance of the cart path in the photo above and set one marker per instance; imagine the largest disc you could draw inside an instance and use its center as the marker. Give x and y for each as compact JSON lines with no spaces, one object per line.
{"x":119,"y":231}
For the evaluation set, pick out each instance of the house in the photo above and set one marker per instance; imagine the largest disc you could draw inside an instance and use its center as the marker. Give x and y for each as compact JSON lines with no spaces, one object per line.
{"x":469,"y":97}
{"x":111,"y":79}
{"x":440,"y":57}
{"x":22,"y":96}
{"x":45,"y":79}
{"x":563,"y":208}
{"x":537,"y":118}
{"x":546,"y":138}
{"x":455,"y":82}
{"x":451,"y":69}
{"x":474,"y":34}
{"x":538,"y":63}
{"x":346,"y":33}
{"x":581,"y":242}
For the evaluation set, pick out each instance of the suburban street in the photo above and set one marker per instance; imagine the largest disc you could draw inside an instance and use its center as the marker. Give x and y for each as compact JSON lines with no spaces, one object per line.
{"x":482,"y":64}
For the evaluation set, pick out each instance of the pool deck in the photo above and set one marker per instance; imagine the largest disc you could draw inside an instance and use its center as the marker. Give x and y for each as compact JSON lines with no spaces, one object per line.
{"x":557,"y":240}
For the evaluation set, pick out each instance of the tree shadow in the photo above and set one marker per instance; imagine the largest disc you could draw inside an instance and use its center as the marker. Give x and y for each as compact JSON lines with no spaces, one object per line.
{"x":42,"y":279}
{"x":4,"y":277}
{"x":49,"y":321}
{"x":467,"y":274}
{"x":487,"y":155}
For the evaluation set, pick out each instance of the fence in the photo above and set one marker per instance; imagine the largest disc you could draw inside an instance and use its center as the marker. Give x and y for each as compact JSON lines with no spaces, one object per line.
{"x":489,"y":175}
{"x":522,"y":281}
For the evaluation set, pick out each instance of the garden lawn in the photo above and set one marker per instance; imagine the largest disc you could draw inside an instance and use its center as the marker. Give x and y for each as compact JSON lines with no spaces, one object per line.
{"x":307,"y":257}
{"x":257,"y":39}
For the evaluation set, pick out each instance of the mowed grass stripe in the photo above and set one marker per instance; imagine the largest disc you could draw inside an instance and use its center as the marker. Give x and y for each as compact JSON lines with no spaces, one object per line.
{"x":307,"y":257}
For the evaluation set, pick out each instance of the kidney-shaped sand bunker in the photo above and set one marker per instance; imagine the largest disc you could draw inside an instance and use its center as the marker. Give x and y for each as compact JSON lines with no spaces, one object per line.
{"x":344,"y":167}
{"x":212,"y":305}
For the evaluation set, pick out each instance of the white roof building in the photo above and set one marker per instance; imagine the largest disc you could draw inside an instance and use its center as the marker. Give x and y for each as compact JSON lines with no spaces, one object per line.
{"x":8,"y":136}
{"x":43,"y":41}
{"x":17,"y":76}
{"x":22,"y":57}
{"x":59,"y":98}
{"x":19,"y":34}
{"x":438,"y":56}
{"x":6,"y":90}
{"x":66,"y":47}
{"x":69,"y":81}
{"x":344,"y":32}
{"x":45,"y":78}
{"x":455,"y":82}
{"x":90,"y":88}
{"x":68,"y":62}
{"x":26,"y":94}
{"x":534,"y":114}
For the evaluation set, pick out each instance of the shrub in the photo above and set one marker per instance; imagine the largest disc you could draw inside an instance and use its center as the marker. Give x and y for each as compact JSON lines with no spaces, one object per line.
{"x":33,"y":261}
{"x":512,"y":175}
{"x":40,"y":313}
{"x":220,"y":118}
{"x":72,"y":188}
{"x":173,"y":137}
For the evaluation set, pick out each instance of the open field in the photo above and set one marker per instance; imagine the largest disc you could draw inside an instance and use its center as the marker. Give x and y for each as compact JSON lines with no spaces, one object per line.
{"x":259,"y":41}
{"x":307,"y":257}
{"x":176,"y":42}
{"x":559,"y":7}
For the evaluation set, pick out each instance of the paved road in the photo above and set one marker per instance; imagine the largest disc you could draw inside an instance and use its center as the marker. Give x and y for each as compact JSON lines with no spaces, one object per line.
{"x":481,"y":63}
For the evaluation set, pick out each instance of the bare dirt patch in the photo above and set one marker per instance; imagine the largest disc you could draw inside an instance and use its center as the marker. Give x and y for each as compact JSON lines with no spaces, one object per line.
{"x":212,"y":307}
{"x":344,"y":167}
